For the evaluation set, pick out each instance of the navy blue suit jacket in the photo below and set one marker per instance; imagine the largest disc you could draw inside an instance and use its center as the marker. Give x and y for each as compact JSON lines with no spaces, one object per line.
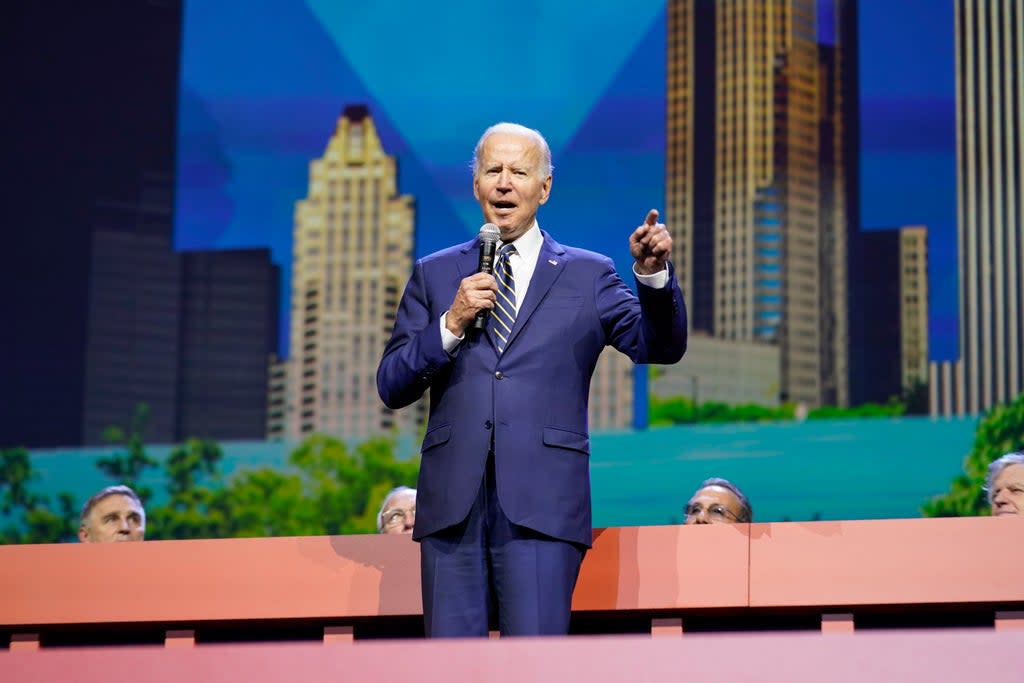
{"x":532,"y":399}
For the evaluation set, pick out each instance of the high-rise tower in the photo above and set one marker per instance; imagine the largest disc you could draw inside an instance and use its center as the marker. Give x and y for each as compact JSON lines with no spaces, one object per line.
{"x":89,"y":147}
{"x":353,"y":250}
{"x":990,"y":210}
{"x":755,"y":185}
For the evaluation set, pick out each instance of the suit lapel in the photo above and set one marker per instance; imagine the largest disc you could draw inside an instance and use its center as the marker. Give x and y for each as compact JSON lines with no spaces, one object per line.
{"x":469,"y":260}
{"x":550,"y":264}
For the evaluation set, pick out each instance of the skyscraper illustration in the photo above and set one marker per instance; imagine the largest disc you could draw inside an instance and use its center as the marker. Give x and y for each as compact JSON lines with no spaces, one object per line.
{"x":85,"y":196}
{"x":755,"y":184}
{"x":353,"y":250}
{"x":990,"y":210}
{"x":913,"y":296}
{"x":894,"y":263}
{"x":612,"y":390}
{"x":229,"y":326}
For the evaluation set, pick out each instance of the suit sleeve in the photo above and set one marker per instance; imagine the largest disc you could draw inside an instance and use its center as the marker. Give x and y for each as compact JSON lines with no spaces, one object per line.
{"x":649,"y":327}
{"x":414,"y":354}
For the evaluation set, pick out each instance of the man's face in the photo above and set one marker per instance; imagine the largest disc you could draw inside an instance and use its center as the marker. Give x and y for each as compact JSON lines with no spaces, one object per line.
{"x":713,"y":505}
{"x":115,"y":518}
{"x":1008,"y":491}
{"x":509,"y":183}
{"x":399,"y":515}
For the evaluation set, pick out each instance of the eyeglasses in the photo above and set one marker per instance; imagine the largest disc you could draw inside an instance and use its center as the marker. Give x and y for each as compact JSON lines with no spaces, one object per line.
{"x":715,"y":513}
{"x":396,"y":516}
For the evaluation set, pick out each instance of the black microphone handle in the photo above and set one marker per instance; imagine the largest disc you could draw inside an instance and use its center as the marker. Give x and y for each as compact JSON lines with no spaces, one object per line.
{"x":486,"y":265}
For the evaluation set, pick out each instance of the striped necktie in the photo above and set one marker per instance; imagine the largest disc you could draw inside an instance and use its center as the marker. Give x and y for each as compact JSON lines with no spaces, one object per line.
{"x":503,"y":315}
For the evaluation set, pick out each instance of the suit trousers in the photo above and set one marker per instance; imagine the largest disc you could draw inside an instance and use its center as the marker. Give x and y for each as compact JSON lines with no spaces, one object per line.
{"x":487,"y":570}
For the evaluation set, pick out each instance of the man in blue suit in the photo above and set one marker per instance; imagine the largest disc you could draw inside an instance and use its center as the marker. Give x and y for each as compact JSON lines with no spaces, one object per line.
{"x":503,"y":503}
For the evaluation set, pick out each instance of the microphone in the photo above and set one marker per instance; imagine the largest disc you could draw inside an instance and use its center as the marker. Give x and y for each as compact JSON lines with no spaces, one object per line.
{"x":489,"y":236}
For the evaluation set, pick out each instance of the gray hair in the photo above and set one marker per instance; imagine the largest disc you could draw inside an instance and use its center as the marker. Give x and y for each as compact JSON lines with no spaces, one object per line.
{"x":746,"y":511}
{"x":393,"y":492}
{"x":997,"y":467}
{"x":119,"y":490}
{"x":530,"y":134}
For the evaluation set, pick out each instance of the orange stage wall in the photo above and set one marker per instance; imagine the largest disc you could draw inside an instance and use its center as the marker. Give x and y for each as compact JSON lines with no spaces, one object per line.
{"x":663,"y":571}
{"x":839,"y":577}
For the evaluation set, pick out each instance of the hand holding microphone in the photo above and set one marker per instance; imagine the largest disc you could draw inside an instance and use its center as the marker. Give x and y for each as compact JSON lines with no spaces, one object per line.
{"x":489,"y":236}
{"x":475,"y":296}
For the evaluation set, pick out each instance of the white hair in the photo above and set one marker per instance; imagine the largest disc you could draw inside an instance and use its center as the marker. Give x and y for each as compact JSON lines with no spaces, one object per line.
{"x":997,"y":467}
{"x":746,"y":511}
{"x":530,"y":134}
{"x":391,"y":494}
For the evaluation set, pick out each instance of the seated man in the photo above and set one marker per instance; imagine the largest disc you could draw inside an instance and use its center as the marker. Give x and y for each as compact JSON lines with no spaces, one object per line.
{"x":113,"y":514}
{"x":718,"y":501}
{"x":1005,"y":485}
{"x":398,"y":511}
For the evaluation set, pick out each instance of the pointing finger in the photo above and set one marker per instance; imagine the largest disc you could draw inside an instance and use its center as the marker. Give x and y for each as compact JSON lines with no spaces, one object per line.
{"x":652,"y":217}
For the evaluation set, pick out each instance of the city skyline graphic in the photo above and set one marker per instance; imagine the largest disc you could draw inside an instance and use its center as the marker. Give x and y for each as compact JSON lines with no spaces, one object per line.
{"x":352,"y":257}
{"x":227,"y":254}
{"x":250,"y":120}
{"x":990,"y":187}
{"x":773,"y":136}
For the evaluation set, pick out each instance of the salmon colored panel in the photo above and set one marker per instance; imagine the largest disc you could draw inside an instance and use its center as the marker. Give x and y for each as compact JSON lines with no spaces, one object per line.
{"x":956,"y":560}
{"x":645,"y":568}
{"x":338,"y":576}
{"x":180,"y":638}
{"x":339,"y":634}
{"x":25,"y":642}
{"x":1010,"y":620}
{"x":231,"y":579}
{"x":665,"y":567}
{"x":907,"y":657}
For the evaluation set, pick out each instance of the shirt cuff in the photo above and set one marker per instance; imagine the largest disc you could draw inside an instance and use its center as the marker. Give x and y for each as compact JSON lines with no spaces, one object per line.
{"x":657,"y":280}
{"x":448,"y":340}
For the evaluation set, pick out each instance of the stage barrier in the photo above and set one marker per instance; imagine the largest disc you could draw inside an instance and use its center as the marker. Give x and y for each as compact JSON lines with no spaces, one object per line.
{"x":829,"y":577}
{"x":881,"y":656}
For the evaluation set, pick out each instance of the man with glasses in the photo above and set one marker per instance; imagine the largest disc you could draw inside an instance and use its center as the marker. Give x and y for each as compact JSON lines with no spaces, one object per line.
{"x":398,"y":511}
{"x":718,"y":501}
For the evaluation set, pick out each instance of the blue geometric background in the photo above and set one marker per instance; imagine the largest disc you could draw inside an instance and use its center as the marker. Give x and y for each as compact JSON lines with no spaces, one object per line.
{"x":261,"y":91}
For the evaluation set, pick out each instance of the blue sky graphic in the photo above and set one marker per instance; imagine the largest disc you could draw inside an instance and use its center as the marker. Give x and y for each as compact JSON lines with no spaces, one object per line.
{"x":261,"y":91}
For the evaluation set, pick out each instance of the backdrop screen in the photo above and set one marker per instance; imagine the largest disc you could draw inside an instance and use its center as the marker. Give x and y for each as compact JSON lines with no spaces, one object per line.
{"x":270,"y":101}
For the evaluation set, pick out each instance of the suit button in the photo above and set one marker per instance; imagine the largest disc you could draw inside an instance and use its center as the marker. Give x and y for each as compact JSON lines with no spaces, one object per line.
{"x":488,"y":424}
{"x":499,"y":375}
